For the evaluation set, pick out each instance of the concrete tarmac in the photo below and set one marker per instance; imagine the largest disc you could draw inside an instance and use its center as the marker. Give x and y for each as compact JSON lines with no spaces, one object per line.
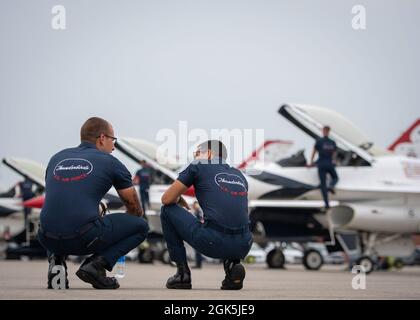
{"x":27,"y":280}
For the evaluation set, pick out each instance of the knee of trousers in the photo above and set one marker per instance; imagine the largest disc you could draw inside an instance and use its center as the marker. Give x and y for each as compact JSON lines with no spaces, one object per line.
{"x":142,"y":226}
{"x":165,"y":211}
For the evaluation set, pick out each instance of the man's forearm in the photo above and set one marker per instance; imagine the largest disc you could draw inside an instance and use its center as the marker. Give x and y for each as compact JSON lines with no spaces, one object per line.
{"x":334,"y":157}
{"x":134,"y":210}
{"x":173,"y":201}
{"x":174,"y":193}
{"x":313,"y":156}
{"x":132,"y":204}
{"x":131,"y":201}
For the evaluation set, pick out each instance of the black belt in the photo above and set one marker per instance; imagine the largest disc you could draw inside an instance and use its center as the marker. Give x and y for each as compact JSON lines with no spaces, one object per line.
{"x":79,"y":233}
{"x":218,"y":227}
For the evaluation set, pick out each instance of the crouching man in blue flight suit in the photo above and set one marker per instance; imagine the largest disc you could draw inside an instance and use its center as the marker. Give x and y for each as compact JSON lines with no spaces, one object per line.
{"x":76,"y":181}
{"x":222,"y":192}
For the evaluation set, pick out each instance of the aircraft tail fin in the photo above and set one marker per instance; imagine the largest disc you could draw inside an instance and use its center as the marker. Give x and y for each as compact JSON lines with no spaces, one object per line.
{"x":409,"y":142}
{"x":270,"y":150}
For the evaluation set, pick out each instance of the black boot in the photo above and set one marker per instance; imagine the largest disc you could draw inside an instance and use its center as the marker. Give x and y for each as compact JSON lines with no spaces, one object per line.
{"x":93,"y":271}
{"x":235,"y":275}
{"x":55,"y":260}
{"x":181,"y":279}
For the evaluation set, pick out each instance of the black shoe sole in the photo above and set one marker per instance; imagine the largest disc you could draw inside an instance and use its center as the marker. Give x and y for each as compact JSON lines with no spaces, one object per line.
{"x":184,"y":286}
{"x":49,"y":287}
{"x":237,"y":276}
{"x":86,"y":277}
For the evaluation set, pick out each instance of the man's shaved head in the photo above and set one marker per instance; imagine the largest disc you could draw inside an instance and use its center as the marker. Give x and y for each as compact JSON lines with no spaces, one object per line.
{"x":216,"y":147}
{"x":92,"y":128}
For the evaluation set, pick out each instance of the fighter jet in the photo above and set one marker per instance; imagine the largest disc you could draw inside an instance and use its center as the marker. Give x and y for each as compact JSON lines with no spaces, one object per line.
{"x":377,"y":195}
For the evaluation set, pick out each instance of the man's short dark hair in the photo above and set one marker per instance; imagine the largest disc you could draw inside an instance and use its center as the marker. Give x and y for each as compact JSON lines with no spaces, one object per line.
{"x":92,"y":128}
{"x":327,"y":128}
{"x":216,"y":147}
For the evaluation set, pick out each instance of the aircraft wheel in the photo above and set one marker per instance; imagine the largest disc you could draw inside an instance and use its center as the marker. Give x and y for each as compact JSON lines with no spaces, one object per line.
{"x":249,"y":259}
{"x":166,"y":259}
{"x":275,"y":259}
{"x":165,"y":256}
{"x":398,"y":264}
{"x":367,"y":264}
{"x":312,"y":259}
{"x":146,"y":256}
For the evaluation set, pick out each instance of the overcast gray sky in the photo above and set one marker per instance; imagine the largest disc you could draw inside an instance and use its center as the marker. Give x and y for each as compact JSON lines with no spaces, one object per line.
{"x":145,"y":65}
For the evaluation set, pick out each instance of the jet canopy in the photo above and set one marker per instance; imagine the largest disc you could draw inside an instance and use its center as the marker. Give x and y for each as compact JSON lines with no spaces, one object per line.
{"x":354,"y":146}
{"x":30,"y":169}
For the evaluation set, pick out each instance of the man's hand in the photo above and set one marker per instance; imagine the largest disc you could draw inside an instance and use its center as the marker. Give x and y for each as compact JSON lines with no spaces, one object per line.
{"x":183,"y":203}
{"x":334,"y":158}
{"x":131,"y":201}
{"x":102,"y":209}
{"x":311,"y":163}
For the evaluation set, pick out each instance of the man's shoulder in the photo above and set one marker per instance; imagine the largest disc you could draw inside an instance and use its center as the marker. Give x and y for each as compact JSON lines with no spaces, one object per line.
{"x":64,"y":151}
{"x":330,"y":140}
{"x":113,"y":159}
{"x":62,"y":154}
{"x":87,"y":154}
{"x":193,"y":165}
{"x":237,"y":172}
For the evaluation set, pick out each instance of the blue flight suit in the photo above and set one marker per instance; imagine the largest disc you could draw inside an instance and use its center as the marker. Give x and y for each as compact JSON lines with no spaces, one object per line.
{"x":326,"y":148}
{"x":26,"y":189}
{"x":76,"y":181}
{"x":26,"y":194}
{"x":222,"y":192}
{"x":144,"y":176}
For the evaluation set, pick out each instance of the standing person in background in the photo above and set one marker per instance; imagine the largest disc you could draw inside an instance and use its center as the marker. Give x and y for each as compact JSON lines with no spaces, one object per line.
{"x":143,"y":178}
{"x":326,"y":149}
{"x":25,"y":193}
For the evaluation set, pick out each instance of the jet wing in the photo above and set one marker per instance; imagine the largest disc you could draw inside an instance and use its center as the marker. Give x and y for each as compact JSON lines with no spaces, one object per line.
{"x":30,"y":169}
{"x":134,"y":151}
{"x":304,"y":204}
{"x":348,"y":137}
{"x":9,"y":206}
{"x":385,"y":191}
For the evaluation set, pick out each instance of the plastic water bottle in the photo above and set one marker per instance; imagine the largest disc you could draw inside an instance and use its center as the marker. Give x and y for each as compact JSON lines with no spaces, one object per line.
{"x":120,"y":268}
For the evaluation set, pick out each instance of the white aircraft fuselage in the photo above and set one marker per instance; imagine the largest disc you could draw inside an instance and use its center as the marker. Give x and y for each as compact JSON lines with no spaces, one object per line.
{"x":381,"y":197}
